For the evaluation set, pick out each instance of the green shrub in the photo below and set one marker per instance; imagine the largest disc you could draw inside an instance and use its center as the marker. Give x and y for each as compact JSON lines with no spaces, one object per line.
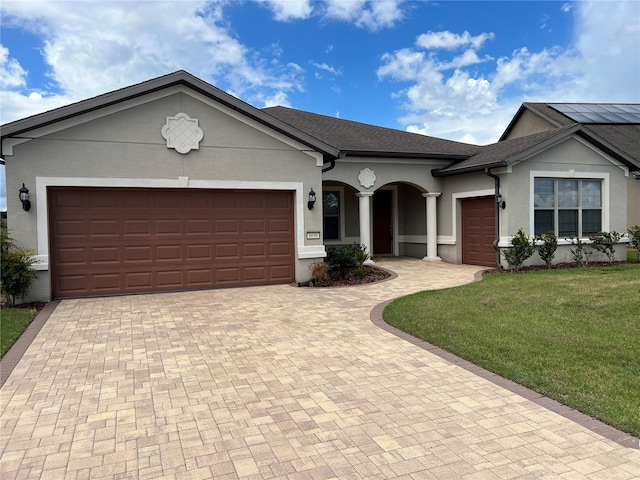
{"x":522,"y":248}
{"x":547,"y":249}
{"x":16,"y":274}
{"x":580,"y":254}
{"x":361,"y":258}
{"x":342,"y":259}
{"x":605,"y":242}
{"x":634,"y":235}
{"x":319,"y":272}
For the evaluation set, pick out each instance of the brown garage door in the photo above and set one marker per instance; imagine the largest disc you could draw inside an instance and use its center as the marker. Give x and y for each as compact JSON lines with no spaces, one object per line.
{"x":106,"y":241}
{"x":478,"y":231}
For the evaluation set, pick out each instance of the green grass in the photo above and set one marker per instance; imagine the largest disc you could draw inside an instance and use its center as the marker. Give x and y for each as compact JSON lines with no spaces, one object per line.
{"x":13,"y":321}
{"x":632,"y":255}
{"x":572,"y":335}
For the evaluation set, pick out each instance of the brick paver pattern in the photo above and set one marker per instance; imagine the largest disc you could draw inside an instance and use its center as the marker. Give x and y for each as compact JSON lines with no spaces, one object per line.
{"x":273,"y":382}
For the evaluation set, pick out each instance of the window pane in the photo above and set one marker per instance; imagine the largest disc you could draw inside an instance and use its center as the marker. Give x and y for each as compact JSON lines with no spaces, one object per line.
{"x":331,"y":203}
{"x":331,"y":229}
{"x":567,"y":193}
{"x":543,"y":222}
{"x":591,"y":196}
{"x":567,"y":223}
{"x":543,"y":192}
{"x":591,"y":222}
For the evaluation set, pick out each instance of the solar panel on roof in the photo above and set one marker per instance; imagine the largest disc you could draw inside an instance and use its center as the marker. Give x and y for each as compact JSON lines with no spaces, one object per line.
{"x":602,"y":113}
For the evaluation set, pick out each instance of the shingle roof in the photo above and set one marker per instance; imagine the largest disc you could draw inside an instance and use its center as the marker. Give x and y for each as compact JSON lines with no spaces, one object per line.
{"x":626,"y":136}
{"x":180,"y":77}
{"x":360,"y":138}
{"x":508,"y":151}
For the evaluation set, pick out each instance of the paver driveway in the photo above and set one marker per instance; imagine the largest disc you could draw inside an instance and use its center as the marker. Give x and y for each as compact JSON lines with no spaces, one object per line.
{"x":273,"y":382}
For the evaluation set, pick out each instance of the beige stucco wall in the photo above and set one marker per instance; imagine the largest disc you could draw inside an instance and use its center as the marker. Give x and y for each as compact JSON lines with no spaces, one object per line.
{"x":528,"y":124}
{"x":127,"y":146}
{"x":570,"y":159}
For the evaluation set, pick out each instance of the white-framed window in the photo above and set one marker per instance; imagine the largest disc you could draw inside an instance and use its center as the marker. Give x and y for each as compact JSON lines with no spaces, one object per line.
{"x":569,"y":207}
{"x":331,"y":212}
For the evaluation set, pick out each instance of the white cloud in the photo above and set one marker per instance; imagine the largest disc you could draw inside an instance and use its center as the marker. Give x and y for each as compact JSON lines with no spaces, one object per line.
{"x":369,"y":14}
{"x":452,"y":41}
{"x":132,"y":42}
{"x":444,"y":97}
{"x":288,"y":10}
{"x":12,"y":75}
{"x":327,"y":68}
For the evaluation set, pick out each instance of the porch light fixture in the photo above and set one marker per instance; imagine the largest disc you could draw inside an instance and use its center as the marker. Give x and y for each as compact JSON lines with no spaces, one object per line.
{"x":501,"y":203}
{"x":24,"y":198}
{"x":312,"y":199}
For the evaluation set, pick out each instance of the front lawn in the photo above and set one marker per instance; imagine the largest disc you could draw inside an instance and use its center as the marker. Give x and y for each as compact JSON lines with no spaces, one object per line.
{"x":13,"y":321}
{"x":572,"y":335}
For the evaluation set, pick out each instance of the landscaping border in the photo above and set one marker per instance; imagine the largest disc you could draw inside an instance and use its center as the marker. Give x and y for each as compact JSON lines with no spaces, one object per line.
{"x":15,"y":353}
{"x":596,"y":426}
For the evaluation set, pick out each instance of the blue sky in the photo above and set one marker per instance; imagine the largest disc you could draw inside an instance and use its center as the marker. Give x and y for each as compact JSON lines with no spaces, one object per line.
{"x":450,"y":69}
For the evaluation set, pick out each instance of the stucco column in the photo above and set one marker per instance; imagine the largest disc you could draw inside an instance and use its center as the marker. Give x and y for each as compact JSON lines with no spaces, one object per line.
{"x":432,"y":226}
{"x":364,"y":202}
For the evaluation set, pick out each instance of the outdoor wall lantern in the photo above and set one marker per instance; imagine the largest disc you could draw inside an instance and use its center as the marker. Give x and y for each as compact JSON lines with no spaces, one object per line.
{"x":24,"y":198}
{"x":312,"y":199}
{"x":501,"y":203}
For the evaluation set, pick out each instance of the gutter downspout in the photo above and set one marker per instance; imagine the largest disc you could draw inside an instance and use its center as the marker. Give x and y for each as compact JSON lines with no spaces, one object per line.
{"x":332,"y":165}
{"x":496,"y":240}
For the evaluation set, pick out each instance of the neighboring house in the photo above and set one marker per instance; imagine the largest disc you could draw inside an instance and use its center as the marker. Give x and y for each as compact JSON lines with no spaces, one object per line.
{"x":172,"y":184}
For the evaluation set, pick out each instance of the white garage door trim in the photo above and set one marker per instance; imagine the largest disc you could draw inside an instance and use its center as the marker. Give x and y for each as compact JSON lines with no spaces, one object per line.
{"x":181,"y":182}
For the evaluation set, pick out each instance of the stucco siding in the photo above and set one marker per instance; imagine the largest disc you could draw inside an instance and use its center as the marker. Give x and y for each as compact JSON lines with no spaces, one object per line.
{"x":126,"y":147}
{"x":528,"y":124}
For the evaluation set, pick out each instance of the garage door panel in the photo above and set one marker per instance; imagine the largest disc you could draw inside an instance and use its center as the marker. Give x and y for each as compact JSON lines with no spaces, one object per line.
{"x":168,"y":227}
{"x":199,"y":252}
{"x":103,"y":242}
{"x":227,"y":276}
{"x":255,"y":274}
{"x":227,"y":226}
{"x":254,"y":250}
{"x":169,"y":253}
{"x":227,"y":251}
{"x":100,"y":255}
{"x":254,"y":225}
{"x":137,"y":227}
{"x":71,"y":256}
{"x":478,"y":231}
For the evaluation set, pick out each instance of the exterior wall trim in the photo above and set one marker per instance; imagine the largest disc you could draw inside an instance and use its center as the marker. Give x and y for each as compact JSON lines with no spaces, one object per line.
{"x":453,"y":239}
{"x":42,"y":183}
{"x":570,"y":174}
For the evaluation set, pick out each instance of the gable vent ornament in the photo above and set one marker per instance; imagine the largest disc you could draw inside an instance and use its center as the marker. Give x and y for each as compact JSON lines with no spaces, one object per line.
{"x":367,"y":178}
{"x":182,"y":133}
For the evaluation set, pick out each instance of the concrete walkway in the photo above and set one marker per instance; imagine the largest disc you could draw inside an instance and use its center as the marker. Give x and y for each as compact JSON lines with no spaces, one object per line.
{"x":274,"y":382}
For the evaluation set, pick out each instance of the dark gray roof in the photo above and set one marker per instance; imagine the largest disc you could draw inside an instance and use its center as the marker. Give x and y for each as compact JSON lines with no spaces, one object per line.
{"x":625,"y":137}
{"x":508,"y":151}
{"x":181,"y":77}
{"x":357,"y":138}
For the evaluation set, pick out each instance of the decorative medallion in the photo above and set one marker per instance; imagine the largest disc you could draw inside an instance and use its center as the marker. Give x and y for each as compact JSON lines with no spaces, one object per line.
{"x":367,"y":178}
{"x":182,"y":133}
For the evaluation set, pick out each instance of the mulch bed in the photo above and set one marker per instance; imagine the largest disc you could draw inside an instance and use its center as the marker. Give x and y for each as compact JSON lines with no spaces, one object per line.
{"x":372,"y":274}
{"x":558,"y":266}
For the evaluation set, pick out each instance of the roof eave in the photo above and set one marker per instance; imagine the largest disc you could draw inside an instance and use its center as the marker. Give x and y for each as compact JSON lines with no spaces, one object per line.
{"x":441,"y":172}
{"x":177,"y":78}
{"x":419,"y":155}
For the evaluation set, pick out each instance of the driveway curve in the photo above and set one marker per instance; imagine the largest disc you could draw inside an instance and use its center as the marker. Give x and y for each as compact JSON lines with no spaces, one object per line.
{"x":274,"y":382}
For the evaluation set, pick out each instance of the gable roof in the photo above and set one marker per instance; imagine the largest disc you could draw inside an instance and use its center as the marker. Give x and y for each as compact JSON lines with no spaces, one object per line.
{"x":624,"y":136}
{"x":508,"y":152}
{"x":180,"y":77}
{"x":361,"y":139}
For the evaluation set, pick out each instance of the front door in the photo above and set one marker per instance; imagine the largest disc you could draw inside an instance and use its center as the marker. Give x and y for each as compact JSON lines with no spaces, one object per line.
{"x":382,"y":226}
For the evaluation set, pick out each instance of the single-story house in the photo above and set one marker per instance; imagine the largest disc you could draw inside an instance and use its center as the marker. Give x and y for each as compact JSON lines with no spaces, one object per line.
{"x":173,"y":184}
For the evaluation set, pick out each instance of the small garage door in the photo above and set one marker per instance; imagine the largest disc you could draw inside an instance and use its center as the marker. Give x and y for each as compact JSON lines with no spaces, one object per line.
{"x":106,"y":241}
{"x":478,"y":231}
